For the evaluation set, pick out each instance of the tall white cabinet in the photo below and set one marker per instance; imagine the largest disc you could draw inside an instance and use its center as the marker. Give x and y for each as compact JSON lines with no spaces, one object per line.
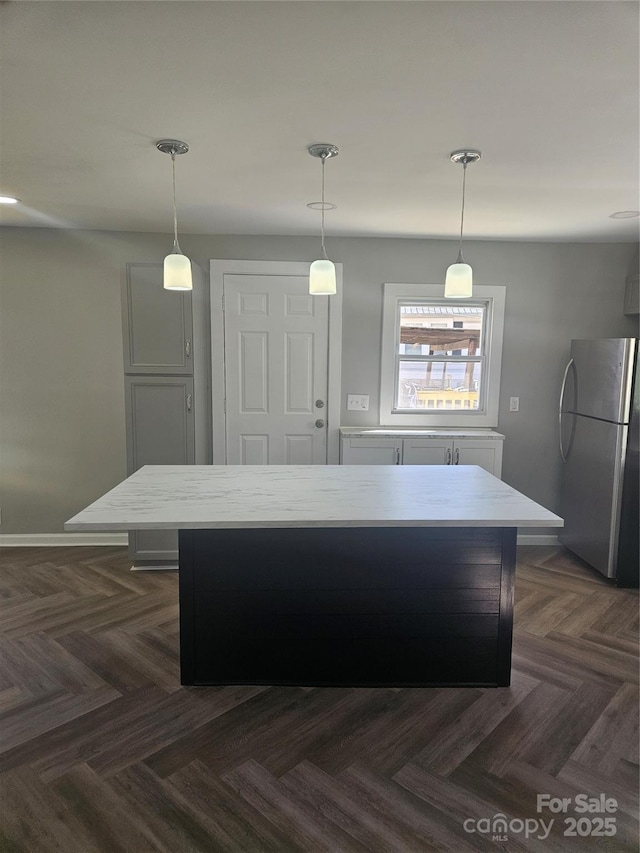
{"x":422,"y":447}
{"x":167,"y":394}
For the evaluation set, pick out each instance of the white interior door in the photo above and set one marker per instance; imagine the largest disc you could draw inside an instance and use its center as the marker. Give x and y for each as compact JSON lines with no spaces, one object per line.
{"x":275,"y":371}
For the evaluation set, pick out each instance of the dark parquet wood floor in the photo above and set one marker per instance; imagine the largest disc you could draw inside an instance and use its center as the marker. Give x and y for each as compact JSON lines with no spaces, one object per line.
{"x":102,"y":750}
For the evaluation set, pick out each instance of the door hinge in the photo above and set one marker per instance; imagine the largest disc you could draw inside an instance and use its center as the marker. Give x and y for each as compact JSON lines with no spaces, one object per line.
{"x":223,"y":301}
{"x":225,"y":405}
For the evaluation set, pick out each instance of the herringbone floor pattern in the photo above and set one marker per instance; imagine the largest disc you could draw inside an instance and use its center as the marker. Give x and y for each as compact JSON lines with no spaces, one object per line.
{"x":102,"y":750}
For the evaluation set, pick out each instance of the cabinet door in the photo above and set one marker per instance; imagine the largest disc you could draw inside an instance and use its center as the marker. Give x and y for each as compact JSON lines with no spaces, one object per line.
{"x":159,"y":412}
{"x":427,"y":451}
{"x":160,"y":431}
{"x":371,"y":451}
{"x":149,"y":547}
{"x":157,"y":324}
{"x":475,"y":451}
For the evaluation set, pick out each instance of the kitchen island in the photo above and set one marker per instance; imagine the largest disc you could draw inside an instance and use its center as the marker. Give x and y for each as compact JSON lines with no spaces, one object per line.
{"x":335,"y":575}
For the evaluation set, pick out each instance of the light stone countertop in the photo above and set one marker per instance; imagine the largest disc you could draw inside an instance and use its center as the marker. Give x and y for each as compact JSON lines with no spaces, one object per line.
{"x":210,"y":496}
{"x":398,"y":432}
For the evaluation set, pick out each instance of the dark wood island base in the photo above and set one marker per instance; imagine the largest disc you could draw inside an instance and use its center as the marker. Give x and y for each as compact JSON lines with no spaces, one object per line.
{"x":357,"y":606}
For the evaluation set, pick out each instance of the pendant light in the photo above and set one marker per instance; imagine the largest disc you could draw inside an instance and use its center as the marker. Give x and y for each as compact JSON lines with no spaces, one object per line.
{"x":459,"y":280}
{"x":177,"y":267}
{"x":322,"y":273}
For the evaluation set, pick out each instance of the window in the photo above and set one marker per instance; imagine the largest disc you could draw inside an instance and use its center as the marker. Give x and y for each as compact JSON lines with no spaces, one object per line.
{"x":440,"y":357}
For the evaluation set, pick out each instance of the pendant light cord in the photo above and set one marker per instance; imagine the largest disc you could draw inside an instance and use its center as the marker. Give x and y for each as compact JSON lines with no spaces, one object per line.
{"x":464,"y":180}
{"x":324,"y":251}
{"x":176,"y":247}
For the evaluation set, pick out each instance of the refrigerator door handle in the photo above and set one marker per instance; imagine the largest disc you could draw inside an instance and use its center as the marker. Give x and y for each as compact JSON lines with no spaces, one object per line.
{"x":562,"y":391}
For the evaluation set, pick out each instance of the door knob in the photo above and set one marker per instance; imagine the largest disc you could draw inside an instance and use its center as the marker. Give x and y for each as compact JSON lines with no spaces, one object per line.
{"x":319,"y":423}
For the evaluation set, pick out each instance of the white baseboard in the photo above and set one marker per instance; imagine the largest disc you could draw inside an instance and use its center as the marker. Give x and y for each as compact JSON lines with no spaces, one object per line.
{"x":49,"y":540}
{"x":540,"y":539}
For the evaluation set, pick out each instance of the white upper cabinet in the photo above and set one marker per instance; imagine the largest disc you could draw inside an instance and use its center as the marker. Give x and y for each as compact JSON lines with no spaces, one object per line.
{"x":158,"y":326}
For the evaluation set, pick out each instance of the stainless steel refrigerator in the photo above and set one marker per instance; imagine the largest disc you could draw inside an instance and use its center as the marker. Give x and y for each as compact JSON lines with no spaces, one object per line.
{"x":599,"y":446}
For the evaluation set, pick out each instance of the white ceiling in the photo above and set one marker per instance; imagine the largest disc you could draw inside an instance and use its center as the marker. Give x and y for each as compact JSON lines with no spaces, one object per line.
{"x":547,"y":90}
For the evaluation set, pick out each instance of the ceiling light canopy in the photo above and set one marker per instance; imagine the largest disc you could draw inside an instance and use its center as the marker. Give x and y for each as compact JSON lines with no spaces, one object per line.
{"x":177,"y":267}
{"x":459,"y":280}
{"x":624,"y":214}
{"x":322,"y":273}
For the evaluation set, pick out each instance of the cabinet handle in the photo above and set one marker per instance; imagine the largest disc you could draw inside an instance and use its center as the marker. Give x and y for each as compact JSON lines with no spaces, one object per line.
{"x":189,"y":402}
{"x":449,"y":456}
{"x":187,"y":348}
{"x":397,"y":455}
{"x":457,"y":456}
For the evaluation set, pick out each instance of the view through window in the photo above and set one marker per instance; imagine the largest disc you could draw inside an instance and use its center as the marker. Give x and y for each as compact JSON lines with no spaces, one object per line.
{"x":440,"y":357}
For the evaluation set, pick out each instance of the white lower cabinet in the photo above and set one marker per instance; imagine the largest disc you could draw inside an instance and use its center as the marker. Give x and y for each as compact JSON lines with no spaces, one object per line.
{"x":362,"y":450}
{"x":371,"y":451}
{"x":475,"y":451}
{"x":431,"y":451}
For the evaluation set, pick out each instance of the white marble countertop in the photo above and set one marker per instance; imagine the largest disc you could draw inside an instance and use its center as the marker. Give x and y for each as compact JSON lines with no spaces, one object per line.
{"x":393,"y":432}
{"x":209,"y":496}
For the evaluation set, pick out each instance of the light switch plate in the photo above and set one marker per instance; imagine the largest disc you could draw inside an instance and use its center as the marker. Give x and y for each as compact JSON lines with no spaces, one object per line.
{"x":514,"y":404}
{"x":358,"y":402}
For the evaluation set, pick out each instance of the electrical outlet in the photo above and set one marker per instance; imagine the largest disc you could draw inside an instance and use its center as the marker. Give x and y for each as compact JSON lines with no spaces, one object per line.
{"x":514,"y":404}
{"x":358,"y":402}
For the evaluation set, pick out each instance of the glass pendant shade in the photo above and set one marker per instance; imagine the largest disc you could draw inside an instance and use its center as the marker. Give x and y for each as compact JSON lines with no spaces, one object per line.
{"x":459,"y":281}
{"x":177,"y":272}
{"x":322,"y":278}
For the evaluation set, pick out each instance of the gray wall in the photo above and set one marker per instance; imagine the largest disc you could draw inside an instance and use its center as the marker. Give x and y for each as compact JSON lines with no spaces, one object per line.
{"x":62,"y":439}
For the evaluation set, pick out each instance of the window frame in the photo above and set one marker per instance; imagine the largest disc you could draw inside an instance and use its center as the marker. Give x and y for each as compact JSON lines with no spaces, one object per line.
{"x":491,"y":296}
